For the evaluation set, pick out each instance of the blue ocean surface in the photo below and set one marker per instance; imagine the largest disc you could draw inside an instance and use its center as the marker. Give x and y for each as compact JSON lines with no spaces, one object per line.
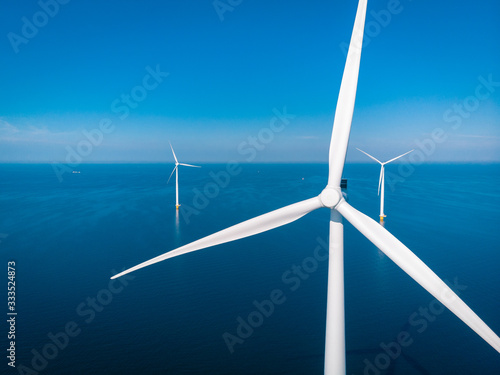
{"x":184,"y":315}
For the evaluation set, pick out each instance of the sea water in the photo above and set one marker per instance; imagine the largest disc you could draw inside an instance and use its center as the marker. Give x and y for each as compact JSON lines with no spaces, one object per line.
{"x":184,"y":315}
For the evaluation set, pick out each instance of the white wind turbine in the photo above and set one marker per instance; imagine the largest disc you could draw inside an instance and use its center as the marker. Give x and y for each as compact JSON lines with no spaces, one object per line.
{"x":331,"y":198}
{"x":381,"y":180}
{"x":176,"y":170}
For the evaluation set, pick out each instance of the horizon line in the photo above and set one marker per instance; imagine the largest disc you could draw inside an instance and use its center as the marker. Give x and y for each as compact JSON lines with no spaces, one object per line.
{"x":247,"y":163}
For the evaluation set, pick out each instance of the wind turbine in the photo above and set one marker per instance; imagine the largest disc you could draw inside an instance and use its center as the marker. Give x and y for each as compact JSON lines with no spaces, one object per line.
{"x":331,"y":197}
{"x":176,"y":170}
{"x":381,"y":180}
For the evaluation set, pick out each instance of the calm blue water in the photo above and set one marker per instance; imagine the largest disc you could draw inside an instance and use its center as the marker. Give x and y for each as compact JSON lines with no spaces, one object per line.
{"x":69,"y":237}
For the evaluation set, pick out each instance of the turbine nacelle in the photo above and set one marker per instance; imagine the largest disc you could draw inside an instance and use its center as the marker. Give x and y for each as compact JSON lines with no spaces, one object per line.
{"x":330,"y":197}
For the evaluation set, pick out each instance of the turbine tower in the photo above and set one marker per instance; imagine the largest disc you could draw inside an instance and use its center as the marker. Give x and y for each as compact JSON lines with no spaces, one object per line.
{"x":381,"y":180}
{"x":331,"y":198}
{"x":176,"y":170}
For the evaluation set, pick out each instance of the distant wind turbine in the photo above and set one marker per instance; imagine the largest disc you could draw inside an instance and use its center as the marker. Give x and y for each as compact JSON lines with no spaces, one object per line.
{"x":332,"y":198}
{"x":381,"y":180}
{"x":176,"y":170}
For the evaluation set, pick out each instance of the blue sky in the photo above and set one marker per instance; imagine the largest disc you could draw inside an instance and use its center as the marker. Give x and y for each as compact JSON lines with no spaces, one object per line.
{"x":433,"y":66}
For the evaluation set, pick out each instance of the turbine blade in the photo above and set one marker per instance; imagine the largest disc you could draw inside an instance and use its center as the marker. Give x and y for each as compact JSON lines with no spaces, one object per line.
{"x":175,"y":157}
{"x":418,"y":270}
{"x":346,"y":99}
{"x":367,"y":154}
{"x":247,"y":228}
{"x":397,"y":157}
{"x":189,"y":165}
{"x":381,"y":179}
{"x":173,"y":170}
